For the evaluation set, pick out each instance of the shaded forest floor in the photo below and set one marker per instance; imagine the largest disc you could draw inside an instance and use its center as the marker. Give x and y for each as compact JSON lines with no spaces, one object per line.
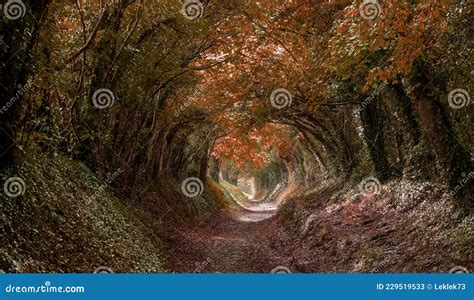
{"x":68,"y":221}
{"x":408,"y":227}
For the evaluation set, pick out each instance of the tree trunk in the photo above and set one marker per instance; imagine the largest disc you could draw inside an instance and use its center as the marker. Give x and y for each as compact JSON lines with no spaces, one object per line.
{"x":406,"y":106}
{"x":18,"y":38}
{"x":454,"y":161}
{"x":374,"y":132}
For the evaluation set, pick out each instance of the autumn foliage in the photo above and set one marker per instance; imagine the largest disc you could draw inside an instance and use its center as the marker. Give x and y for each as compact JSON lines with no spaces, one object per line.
{"x":363,"y":93}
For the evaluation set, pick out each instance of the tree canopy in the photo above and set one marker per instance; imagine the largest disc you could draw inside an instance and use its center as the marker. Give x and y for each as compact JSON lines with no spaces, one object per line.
{"x":334,"y":88}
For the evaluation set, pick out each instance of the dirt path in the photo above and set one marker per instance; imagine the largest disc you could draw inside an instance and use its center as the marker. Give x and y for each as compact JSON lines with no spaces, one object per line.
{"x":235,"y":242}
{"x":351,"y":235}
{"x":230,"y":242}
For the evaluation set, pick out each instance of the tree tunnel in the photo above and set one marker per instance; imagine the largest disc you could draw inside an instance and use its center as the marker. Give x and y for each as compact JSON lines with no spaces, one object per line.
{"x":263,"y":121}
{"x":252,"y":77}
{"x":265,"y":184}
